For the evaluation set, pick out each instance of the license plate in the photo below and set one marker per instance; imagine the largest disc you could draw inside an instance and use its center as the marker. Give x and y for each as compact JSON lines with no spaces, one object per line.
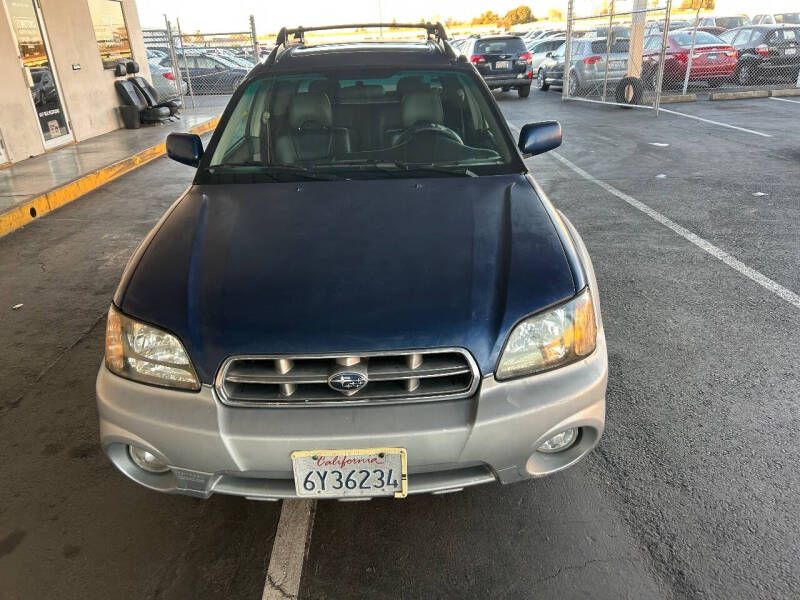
{"x":617,"y":65}
{"x":711,"y":56}
{"x":790,"y":51}
{"x":502,"y":64}
{"x":349,"y":473}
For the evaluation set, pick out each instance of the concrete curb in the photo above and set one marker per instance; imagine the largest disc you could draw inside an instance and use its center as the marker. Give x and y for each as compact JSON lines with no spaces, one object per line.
{"x":785,"y":92}
{"x":671,"y":99}
{"x":739,"y":95}
{"x":22,"y":214}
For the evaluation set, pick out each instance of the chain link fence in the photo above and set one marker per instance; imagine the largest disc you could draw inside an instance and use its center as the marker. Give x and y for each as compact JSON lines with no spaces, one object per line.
{"x":642,"y":52}
{"x":204,"y":67}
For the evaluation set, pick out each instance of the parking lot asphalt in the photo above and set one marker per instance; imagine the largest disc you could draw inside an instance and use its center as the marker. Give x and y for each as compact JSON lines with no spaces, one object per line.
{"x":692,"y":492}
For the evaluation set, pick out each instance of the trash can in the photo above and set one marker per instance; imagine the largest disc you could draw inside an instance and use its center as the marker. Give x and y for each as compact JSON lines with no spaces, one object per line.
{"x":130,"y":117}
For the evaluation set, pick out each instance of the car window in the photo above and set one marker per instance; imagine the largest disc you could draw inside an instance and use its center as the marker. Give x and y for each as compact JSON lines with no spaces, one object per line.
{"x":599,"y":46}
{"x":730,"y":22}
{"x":205,"y":62}
{"x":743,"y":38}
{"x":653,"y":42}
{"x":793,"y":18}
{"x":441,"y":119}
{"x":757,"y":37}
{"x":561,"y":50}
{"x":783,"y":35}
{"x":702,"y":38}
{"x":500,"y":46}
{"x":728,"y":36}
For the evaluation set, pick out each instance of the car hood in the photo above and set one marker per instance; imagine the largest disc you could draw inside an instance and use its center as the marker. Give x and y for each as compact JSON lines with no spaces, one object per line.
{"x":348,"y":266}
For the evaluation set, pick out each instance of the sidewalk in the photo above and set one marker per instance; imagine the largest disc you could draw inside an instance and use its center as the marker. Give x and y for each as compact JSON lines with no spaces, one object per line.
{"x":38,"y":185}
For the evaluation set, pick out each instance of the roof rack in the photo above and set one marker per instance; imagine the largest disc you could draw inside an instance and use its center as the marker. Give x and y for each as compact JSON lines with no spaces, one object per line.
{"x":434,"y":31}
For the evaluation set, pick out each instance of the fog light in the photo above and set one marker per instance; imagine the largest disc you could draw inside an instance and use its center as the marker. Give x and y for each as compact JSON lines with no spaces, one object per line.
{"x":146,"y":460}
{"x":560,"y":441}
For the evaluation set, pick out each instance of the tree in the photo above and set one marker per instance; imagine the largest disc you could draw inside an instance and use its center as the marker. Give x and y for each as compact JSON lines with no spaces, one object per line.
{"x":517,"y":16}
{"x":555,"y":15}
{"x":487,"y":18}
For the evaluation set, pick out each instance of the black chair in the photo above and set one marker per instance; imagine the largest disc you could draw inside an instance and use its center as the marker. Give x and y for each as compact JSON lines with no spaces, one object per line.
{"x":131,"y":96}
{"x":148,"y":91}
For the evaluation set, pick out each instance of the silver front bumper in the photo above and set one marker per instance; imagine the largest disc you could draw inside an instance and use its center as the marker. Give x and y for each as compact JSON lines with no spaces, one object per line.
{"x":214,"y":448}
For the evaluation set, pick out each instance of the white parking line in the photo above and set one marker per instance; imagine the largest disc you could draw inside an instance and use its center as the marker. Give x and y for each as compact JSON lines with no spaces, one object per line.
{"x":785,"y":100}
{"x":695,"y":239}
{"x":289,"y":550}
{"x":729,"y":126}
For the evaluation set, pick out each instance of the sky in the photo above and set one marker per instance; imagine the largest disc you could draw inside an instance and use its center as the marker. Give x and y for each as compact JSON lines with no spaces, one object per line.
{"x":232,"y":15}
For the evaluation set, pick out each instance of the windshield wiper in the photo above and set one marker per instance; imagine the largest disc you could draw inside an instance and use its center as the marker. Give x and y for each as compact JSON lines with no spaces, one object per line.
{"x":393,"y":167}
{"x":268,"y":170}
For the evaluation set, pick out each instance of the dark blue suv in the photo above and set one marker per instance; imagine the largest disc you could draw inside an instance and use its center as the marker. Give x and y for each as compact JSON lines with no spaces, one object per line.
{"x":363,"y":293}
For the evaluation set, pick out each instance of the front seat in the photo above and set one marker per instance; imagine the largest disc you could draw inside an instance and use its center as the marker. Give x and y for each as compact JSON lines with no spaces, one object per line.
{"x":311,"y":136}
{"x":424,"y":107}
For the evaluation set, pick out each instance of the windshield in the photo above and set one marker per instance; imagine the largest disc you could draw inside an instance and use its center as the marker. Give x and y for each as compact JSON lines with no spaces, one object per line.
{"x":731,"y":22}
{"x":500,"y":46}
{"x":362,"y":124}
{"x":702,"y":39}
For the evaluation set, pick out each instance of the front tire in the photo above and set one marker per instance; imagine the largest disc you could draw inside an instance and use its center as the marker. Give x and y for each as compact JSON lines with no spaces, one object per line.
{"x":541,"y":81}
{"x":524,"y":91}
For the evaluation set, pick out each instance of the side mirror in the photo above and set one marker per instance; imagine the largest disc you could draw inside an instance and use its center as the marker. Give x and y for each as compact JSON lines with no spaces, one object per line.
{"x":549,"y":54}
{"x":186,"y":148}
{"x":538,"y":138}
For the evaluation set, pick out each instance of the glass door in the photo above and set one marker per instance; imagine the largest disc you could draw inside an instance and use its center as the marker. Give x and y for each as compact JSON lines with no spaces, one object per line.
{"x":34,"y":54}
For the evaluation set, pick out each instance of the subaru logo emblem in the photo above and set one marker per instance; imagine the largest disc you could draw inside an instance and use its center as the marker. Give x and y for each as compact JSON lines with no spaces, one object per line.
{"x":348,"y":382}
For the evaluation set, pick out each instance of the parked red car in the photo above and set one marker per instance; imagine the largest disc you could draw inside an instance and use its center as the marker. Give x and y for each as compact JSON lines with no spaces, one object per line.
{"x":714,"y":60}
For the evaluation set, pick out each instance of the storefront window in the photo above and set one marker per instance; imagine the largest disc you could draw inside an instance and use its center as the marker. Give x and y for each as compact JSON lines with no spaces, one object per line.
{"x":110,"y":31}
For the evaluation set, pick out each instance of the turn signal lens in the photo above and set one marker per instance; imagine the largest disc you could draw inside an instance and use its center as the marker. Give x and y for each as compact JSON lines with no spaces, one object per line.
{"x":551,"y":339}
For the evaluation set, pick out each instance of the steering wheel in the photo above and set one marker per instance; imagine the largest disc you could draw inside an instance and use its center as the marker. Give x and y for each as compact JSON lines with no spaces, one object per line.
{"x":418,"y":128}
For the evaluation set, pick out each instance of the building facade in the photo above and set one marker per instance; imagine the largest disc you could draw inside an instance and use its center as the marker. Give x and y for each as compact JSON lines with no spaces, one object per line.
{"x":57,"y":60}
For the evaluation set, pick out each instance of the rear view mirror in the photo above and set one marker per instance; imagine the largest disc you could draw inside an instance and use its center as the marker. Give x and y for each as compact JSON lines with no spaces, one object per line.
{"x":538,"y":138}
{"x":186,"y":148}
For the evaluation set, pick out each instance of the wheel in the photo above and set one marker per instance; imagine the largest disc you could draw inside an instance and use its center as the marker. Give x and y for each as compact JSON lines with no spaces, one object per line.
{"x":524,"y":91}
{"x":629,"y":91}
{"x":744,"y":74}
{"x":651,"y":81}
{"x":541,"y":82}
{"x":506,"y":88}
{"x":574,"y":84}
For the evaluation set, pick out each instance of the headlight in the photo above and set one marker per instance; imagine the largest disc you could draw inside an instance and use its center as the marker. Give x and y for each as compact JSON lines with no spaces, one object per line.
{"x":551,"y":339}
{"x":144,"y":353}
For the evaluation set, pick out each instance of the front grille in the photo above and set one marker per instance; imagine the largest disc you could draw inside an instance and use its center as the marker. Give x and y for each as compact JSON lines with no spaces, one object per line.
{"x":410,"y":376}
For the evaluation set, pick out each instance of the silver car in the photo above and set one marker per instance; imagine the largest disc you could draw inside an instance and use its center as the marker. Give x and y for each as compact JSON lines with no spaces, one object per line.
{"x":541,"y":47}
{"x":587,"y":66}
{"x":164,"y":81}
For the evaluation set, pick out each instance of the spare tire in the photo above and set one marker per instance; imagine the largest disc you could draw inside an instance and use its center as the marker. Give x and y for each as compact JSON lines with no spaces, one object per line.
{"x":629,"y":91}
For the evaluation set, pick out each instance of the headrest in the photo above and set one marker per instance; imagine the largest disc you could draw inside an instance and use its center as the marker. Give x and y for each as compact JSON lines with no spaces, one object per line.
{"x":423,"y":107}
{"x":325,"y":86}
{"x":310,"y":108}
{"x":120,"y":70}
{"x":132,"y":66}
{"x":409,"y":84}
